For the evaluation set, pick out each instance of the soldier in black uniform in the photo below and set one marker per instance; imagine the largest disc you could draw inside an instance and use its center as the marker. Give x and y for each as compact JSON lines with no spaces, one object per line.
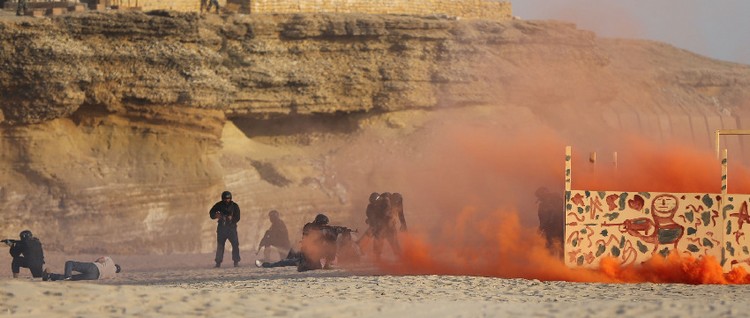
{"x":213,"y":3}
{"x":21,"y":8}
{"x":385,"y":217}
{"x":26,"y":253}
{"x":551,"y":214}
{"x":227,"y":214}
{"x":318,"y":242}
{"x":293,"y":258}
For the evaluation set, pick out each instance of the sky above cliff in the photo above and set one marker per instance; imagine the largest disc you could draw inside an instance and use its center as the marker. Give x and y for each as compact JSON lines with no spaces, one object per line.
{"x":718,"y":29}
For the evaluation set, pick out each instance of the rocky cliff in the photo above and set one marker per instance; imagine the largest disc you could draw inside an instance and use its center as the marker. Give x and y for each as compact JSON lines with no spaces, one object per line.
{"x":119,"y":130}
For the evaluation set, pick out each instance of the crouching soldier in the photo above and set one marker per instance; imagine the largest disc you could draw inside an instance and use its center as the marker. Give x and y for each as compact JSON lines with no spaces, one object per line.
{"x":26,"y":253}
{"x":318,"y":243}
{"x":326,"y":243}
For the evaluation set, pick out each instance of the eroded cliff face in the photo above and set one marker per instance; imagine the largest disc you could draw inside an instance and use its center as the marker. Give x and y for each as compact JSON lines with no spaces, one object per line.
{"x":120,"y":130}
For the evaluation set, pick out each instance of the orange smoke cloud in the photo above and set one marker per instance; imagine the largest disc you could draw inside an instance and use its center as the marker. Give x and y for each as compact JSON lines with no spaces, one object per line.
{"x":675,"y":269}
{"x":475,"y":210}
{"x":498,"y":246}
{"x":494,"y":245}
{"x":648,"y":166}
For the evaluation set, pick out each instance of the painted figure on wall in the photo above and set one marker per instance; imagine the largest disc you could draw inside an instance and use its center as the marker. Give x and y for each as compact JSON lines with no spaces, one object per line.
{"x":661,"y":227}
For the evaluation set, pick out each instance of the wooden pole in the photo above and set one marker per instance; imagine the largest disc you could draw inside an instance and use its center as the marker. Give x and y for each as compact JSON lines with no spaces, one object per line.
{"x":724,"y":173}
{"x":614,"y":158}
{"x":567,"y":168}
{"x":726,"y":132}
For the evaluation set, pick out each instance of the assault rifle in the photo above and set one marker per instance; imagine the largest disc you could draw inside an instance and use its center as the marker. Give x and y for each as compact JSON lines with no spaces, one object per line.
{"x":340,"y":229}
{"x":222,"y":218}
{"x":263,"y":242}
{"x":10,"y":242}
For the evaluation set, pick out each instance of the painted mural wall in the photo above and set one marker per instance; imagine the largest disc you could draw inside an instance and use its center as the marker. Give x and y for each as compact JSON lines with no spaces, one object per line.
{"x":634,"y":226}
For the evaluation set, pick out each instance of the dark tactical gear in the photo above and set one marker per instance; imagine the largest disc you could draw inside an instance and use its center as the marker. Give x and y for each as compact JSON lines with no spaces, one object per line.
{"x":318,"y":242}
{"x":551,"y":214}
{"x":227,"y":214}
{"x":27,"y":253}
{"x":22,"y":7}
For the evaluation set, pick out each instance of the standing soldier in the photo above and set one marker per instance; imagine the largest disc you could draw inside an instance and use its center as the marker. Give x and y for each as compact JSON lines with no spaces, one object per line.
{"x":213,"y":3}
{"x":397,"y":206}
{"x":22,"y":7}
{"x":371,"y":216}
{"x":551,"y":214}
{"x":227,"y":214}
{"x":385,"y":216}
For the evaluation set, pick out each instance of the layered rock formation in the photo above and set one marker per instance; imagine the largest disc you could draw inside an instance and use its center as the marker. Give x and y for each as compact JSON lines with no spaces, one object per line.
{"x":119,"y":130}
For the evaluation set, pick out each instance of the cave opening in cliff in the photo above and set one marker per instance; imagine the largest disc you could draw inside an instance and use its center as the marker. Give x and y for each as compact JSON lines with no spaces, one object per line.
{"x":88,"y":112}
{"x":337,"y":123}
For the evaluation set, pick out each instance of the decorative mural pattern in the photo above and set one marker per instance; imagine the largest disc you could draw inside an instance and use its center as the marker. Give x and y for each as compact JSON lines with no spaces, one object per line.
{"x":634,"y":226}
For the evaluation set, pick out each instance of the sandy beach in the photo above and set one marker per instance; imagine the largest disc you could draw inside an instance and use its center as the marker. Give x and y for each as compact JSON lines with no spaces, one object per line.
{"x":185,"y":285}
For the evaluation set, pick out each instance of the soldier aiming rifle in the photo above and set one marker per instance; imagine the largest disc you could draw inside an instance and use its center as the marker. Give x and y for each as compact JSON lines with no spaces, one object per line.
{"x":320,"y":242}
{"x":340,"y":230}
{"x":347,"y":250}
{"x":26,"y":252}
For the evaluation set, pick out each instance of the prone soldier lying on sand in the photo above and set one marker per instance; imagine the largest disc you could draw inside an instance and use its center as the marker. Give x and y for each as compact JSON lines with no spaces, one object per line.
{"x":102,"y":268}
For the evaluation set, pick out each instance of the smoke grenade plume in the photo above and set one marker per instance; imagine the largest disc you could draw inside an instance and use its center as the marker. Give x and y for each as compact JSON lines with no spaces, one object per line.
{"x":472,"y":209}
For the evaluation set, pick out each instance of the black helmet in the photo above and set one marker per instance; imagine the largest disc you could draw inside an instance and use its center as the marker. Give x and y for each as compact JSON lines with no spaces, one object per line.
{"x":26,"y":234}
{"x":374,"y":196}
{"x":118,"y":268}
{"x":321,"y":219}
{"x":226,"y":195}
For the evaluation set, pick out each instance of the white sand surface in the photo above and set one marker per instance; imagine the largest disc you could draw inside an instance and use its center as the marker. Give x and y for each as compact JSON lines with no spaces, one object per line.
{"x":177,"y":286}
